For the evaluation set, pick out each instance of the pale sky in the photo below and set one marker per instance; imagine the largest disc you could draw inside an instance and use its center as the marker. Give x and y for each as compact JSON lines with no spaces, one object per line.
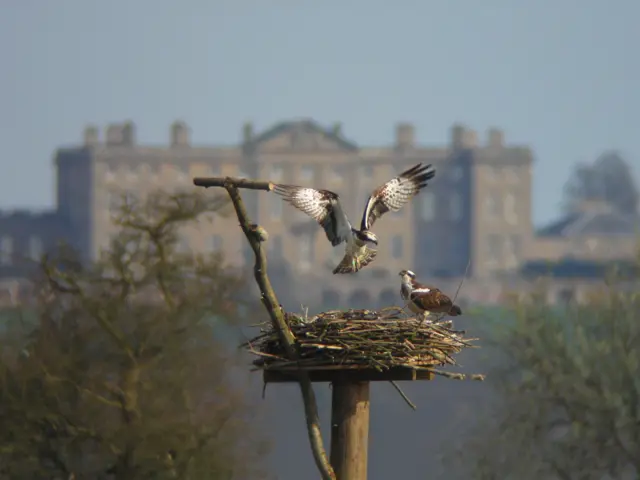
{"x":561,"y":76}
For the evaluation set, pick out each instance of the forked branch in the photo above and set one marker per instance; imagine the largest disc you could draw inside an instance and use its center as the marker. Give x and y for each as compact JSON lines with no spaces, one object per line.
{"x":255,"y":236}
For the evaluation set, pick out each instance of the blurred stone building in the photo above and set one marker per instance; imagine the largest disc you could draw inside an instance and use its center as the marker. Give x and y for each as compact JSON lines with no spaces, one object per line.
{"x":474,"y":217}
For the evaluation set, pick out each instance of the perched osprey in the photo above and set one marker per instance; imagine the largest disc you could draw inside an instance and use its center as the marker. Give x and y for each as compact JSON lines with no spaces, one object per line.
{"x":324,"y":206}
{"x":425,"y":299}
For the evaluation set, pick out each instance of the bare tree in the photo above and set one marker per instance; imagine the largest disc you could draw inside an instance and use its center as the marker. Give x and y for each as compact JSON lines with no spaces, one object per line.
{"x":569,"y":394}
{"x":120,"y":374}
{"x":609,"y":178}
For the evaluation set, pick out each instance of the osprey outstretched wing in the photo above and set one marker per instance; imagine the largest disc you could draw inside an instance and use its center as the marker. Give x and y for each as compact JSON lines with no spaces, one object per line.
{"x":325,"y":208}
{"x":396,"y":193}
{"x":321,"y":205}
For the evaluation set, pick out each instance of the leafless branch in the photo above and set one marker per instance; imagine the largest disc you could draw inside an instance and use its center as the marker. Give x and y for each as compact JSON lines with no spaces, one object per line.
{"x":255,"y":237}
{"x":235,"y":182}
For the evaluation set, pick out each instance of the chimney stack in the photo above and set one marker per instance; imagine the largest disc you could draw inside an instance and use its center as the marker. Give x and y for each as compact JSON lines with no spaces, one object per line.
{"x":114,"y":134}
{"x":496,"y":138}
{"x":457,"y":136}
{"x":247,"y":133}
{"x":91,"y":136}
{"x":128,"y":133}
{"x":121,"y":134}
{"x":470,"y":139}
{"x":405,"y":136}
{"x":179,"y":134}
{"x":463,"y":137}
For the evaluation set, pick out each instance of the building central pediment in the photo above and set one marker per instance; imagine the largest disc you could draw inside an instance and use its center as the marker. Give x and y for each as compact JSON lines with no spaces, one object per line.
{"x":302,"y":136}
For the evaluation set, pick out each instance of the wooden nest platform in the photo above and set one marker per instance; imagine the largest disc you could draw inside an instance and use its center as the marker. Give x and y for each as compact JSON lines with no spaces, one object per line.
{"x":360,"y":345}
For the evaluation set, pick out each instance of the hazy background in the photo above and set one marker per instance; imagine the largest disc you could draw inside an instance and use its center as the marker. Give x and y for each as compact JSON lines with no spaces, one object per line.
{"x":561,"y":76}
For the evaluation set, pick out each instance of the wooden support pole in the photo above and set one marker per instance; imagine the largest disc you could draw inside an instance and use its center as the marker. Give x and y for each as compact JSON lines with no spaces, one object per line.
{"x":350,"y":430}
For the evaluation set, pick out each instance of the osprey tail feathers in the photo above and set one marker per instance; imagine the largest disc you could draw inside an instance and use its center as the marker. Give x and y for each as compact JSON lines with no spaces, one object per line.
{"x":351,"y":264}
{"x":455,"y":310}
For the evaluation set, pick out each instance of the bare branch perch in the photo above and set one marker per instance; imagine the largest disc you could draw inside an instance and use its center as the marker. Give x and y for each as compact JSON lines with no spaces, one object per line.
{"x":207,"y":182}
{"x":255,"y":238}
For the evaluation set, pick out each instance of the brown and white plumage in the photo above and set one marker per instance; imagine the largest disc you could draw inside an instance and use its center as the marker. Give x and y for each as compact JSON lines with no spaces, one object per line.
{"x":324,"y":207}
{"x":321,"y":205}
{"x":396,"y":193}
{"x":364,"y":258}
{"x":425,"y":299}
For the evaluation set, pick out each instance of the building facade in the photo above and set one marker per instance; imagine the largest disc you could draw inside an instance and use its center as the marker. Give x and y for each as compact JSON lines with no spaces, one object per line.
{"x":474,"y":218}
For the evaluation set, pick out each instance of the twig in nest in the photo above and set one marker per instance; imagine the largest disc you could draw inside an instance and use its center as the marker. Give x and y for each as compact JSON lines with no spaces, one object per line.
{"x":364,"y":339}
{"x":466,"y":270}
{"x":403,"y":395}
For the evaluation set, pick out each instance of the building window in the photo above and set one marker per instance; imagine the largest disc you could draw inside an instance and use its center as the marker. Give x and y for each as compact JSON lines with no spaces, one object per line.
{"x":459,"y":246}
{"x":513,"y":250}
{"x":216,"y":243}
{"x":492,"y":172}
{"x":397,"y":246}
{"x":110,"y":175}
{"x":492,"y":204}
{"x":510,"y":211}
{"x":276,"y":173}
{"x":513,"y":174}
{"x":307,"y":253}
{"x":276,"y":208}
{"x":6,"y":250}
{"x":306,"y":173}
{"x":35,"y":248}
{"x":455,"y":206}
{"x":494,"y":250}
{"x":427,"y":205}
{"x":456,"y":173}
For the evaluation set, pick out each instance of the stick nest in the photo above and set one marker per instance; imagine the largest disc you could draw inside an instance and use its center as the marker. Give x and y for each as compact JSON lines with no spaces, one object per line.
{"x":361,"y":338}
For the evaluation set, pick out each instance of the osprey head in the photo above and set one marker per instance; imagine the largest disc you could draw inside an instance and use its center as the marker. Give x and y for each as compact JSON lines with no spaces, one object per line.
{"x":407,"y":275}
{"x":367,"y":236}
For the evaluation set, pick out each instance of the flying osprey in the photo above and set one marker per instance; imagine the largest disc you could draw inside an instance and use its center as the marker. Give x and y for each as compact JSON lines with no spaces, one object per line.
{"x":425,"y":299}
{"x":324,"y":207}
